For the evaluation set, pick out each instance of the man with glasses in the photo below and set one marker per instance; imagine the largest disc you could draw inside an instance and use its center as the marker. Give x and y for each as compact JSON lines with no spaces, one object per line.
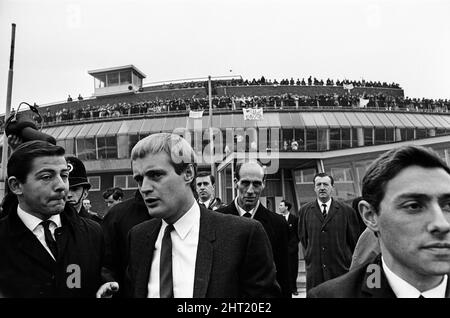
{"x":250,"y":182}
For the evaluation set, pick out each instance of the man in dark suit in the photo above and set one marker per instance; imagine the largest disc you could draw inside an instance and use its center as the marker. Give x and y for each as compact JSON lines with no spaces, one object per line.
{"x":292,"y":220}
{"x":328,"y":230}
{"x":46,"y":248}
{"x":406,"y":204}
{"x":249,"y":181}
{"x":187,"y":251}
{"x":206,"y":187}
{"x":116,"y":225}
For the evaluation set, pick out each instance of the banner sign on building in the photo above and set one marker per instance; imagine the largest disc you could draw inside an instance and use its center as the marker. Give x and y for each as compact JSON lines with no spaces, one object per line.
{"x":253,"y":113}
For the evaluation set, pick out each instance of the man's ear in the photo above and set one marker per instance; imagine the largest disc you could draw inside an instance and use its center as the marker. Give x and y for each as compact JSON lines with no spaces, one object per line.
{"x":189,"y":174}
{"x":84,"y":195}
{"x":369,"y":215}
{"x":235,"y":180}
{"x":15,"y":186}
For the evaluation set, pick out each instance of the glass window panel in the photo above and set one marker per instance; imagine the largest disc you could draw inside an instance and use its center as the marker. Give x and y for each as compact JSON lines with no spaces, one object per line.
{"x":421,"y":133}
{"x":390,"y":135}
{"x":133,"y":140}
{"x":354,"y":137}
{"x":125,"y":77}
{"x":346,"y":140}
{"x":322,"y":139}
{"x":111,"y":147}
{"x":100,"y":81}
{"x":101,"y":146}
{"x":86,"y":149}
{"x":335,"y":138}
{"x":120,"y":181}
{"x":113,"y":79}
{"x":311,"y":140}
{"x":131,"y":183}
{"x":288,"y":135}
{"x":299,"y":135}
{"x":380,"y":136}
{"x":368,"y":138}
{"x":95,"y":183}
{"x":123,"y":144}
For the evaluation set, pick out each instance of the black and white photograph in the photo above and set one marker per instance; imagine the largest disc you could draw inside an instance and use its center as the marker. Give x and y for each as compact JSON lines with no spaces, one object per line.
{"x":265,"y":152}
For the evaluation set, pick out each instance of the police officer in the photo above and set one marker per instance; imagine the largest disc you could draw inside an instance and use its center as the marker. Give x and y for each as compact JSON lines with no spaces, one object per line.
{"x":79,"y":188}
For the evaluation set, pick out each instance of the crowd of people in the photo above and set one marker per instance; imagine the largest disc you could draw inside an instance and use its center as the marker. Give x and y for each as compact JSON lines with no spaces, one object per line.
{"x":310,"y":81}
{"x":283,"y":101}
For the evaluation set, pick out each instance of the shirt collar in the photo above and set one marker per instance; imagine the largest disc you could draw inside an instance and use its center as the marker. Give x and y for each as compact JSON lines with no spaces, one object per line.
{"x":31,"y":221}
{"x":184,"y":224}
{"x":206,"y":203}
{"x":328,"y":203}
{"x":242,"y":211}
{"x":403,"y":289}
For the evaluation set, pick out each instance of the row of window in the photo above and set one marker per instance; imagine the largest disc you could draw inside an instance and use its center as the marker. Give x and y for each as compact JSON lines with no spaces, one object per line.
{"x":251,"y":139}
{"x":117,"y":78}
{"x":125,"y":182}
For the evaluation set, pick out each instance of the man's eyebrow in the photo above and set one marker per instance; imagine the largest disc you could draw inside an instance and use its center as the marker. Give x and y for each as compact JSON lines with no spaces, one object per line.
{"x":49,"y":170}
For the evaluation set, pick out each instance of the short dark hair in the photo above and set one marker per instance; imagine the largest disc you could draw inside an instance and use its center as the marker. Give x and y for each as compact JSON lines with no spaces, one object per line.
{"x":20,"y":161}
{"x":117,"y":193}
{"x":389,"y":164}
{"x":287,"y":204}
{"x":322,"y":175}
{"x":203,"y":174}
{"x":240,"y":164}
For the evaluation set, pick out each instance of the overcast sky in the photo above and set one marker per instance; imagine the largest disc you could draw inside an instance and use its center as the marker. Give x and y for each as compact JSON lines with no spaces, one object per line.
{"x":57,"y":42}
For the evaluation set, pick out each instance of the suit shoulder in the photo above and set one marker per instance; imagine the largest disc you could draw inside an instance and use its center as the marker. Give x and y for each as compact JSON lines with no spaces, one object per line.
{"x":345,"y":286}
{"x":4,"y":225}
{"x":119,"y":210}
{"x":308,"y":205}
{"x":142,"y":228}
{"x":91,"y":225}
{"x":233,"y":222}
{"x":225,"y":209}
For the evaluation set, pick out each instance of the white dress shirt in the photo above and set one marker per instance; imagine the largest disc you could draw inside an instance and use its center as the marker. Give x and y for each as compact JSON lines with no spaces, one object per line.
{"x":242,"y":211}
{"x":403,"y":289}
{"x":33,"y":224}
{"x":328,"y":203}
{"x":184,"y":255}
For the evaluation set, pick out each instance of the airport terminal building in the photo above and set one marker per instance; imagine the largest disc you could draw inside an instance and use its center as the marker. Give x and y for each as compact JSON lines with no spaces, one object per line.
{"x":292,"y":138}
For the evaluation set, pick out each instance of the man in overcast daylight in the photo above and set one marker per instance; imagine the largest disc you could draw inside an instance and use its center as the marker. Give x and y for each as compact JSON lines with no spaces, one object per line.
{"x":187,"y":251}
{"x":406,"y":203}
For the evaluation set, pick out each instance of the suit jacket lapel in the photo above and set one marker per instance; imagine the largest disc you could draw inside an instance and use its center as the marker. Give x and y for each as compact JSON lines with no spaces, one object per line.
{"x":146,"y":248}
{"x":334,"y":209}
{"x":205,"y":253}
{"x":28,"y":243}
{"x":261,"y":216}
{"x":317,"y":212}
{"x":384,"y":290}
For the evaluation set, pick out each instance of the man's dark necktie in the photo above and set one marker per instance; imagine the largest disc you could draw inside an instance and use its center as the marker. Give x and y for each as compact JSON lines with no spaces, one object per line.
{"x":247,"y":215}
{"x":49,"y":240}
{"x":165,"y":265}
{"x":324,"y":211}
